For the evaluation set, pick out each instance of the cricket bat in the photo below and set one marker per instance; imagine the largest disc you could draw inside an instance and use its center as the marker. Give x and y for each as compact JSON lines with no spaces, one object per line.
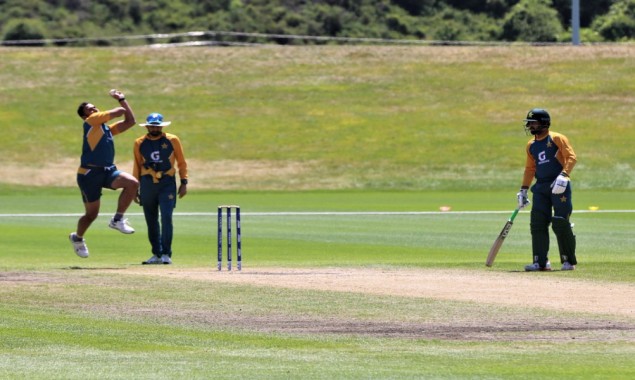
{"x":498,"y":243}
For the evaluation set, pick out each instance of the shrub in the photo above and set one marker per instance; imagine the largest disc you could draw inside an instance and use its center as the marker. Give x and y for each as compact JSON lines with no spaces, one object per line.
{"x":23,"y":29}
{"x":532,"y":21}
{"x":457,"y":25}
{"x":619,"y":23}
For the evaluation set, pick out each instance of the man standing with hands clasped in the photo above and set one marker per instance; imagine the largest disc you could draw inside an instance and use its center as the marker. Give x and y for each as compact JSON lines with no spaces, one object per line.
{"x":97,"y":169}
{"x":157,"y":156}
{"x":550,"y":159}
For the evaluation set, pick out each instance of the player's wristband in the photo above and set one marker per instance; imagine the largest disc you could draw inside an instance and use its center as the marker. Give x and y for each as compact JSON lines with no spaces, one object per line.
{"x":122,"y":99}
{"x":183,"y":182}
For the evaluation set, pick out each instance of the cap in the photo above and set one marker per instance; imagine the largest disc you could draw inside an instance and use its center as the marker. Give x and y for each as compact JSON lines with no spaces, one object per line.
{"x":155,"y":120}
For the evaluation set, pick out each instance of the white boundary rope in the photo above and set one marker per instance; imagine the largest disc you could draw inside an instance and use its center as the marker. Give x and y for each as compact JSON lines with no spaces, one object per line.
{"x":319,"y":213}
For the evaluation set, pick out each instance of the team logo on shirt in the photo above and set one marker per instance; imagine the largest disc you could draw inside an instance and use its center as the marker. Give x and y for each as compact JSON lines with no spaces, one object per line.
{"x":155,"y":156}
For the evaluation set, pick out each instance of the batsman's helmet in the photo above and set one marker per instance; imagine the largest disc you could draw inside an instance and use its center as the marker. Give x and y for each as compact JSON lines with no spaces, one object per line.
{"x":540,"y":115}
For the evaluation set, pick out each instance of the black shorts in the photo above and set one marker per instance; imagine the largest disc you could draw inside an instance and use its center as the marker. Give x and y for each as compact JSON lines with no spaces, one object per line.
{"x":92,"y":179}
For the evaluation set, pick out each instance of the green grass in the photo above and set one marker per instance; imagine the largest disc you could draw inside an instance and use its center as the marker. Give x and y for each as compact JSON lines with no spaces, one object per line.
{"x":314,"y":129}
{"x":67,"y":318}
{"x":370,"y":117}
{"x":90,"y":346}
{"x":453,"y":239}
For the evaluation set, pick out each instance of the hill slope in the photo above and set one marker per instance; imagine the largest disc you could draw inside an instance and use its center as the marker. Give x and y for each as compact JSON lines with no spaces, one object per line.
{"x":328,"y":117}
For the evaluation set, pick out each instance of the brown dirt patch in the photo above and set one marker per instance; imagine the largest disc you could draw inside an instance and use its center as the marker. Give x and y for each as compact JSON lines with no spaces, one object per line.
{"x":607,"y":308}
{"x":544,"y":290}
{"x":221,"y":175}
{"x":502,"y":306}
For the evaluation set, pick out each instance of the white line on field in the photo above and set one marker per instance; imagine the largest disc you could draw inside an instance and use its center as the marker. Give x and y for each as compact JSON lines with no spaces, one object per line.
{"x":317,"y":213}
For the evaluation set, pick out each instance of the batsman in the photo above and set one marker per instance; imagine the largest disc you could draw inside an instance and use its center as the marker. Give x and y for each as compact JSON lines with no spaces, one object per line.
{"x":550,"y":160}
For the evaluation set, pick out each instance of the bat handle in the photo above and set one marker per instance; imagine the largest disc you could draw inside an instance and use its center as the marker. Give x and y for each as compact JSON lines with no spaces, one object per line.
{"x":511,"y":219}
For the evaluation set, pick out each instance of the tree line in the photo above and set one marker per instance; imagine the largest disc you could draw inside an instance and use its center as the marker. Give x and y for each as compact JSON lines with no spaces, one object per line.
{"x":431,"y":20}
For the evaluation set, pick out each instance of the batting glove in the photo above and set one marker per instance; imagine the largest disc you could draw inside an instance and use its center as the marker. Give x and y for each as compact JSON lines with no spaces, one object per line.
{"x":560,"y":184}
{"x":523,"y":200}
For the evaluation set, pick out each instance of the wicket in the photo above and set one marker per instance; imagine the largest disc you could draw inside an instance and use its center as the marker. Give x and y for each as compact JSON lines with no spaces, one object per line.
{"x":239,"y":254}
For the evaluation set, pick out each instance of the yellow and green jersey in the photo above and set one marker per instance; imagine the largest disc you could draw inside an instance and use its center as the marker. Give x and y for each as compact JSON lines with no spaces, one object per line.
{"x":98,"y":148}
{"x":159,"y":156}
{"x":547,"y":157}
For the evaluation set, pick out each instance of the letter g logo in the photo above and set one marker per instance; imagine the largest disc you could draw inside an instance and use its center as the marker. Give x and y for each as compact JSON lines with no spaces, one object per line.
{"x":155,"y":156}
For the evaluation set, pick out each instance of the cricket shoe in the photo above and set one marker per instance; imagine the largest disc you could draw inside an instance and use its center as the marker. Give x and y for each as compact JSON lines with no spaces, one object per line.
{"x":567,"y":266}
{"x":165,"y":259}
{"x":537,"y":268}
{"x":152,"y":260}
{"x":78,"y":245}
{"x":121,"y":225}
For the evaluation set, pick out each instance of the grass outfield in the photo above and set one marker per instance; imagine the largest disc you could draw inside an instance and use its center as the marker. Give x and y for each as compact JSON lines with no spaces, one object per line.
{"x":340,"y":279}
{"x":330,"y":117}
{"x":110,"y":317}
{"x":430,"y":239}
